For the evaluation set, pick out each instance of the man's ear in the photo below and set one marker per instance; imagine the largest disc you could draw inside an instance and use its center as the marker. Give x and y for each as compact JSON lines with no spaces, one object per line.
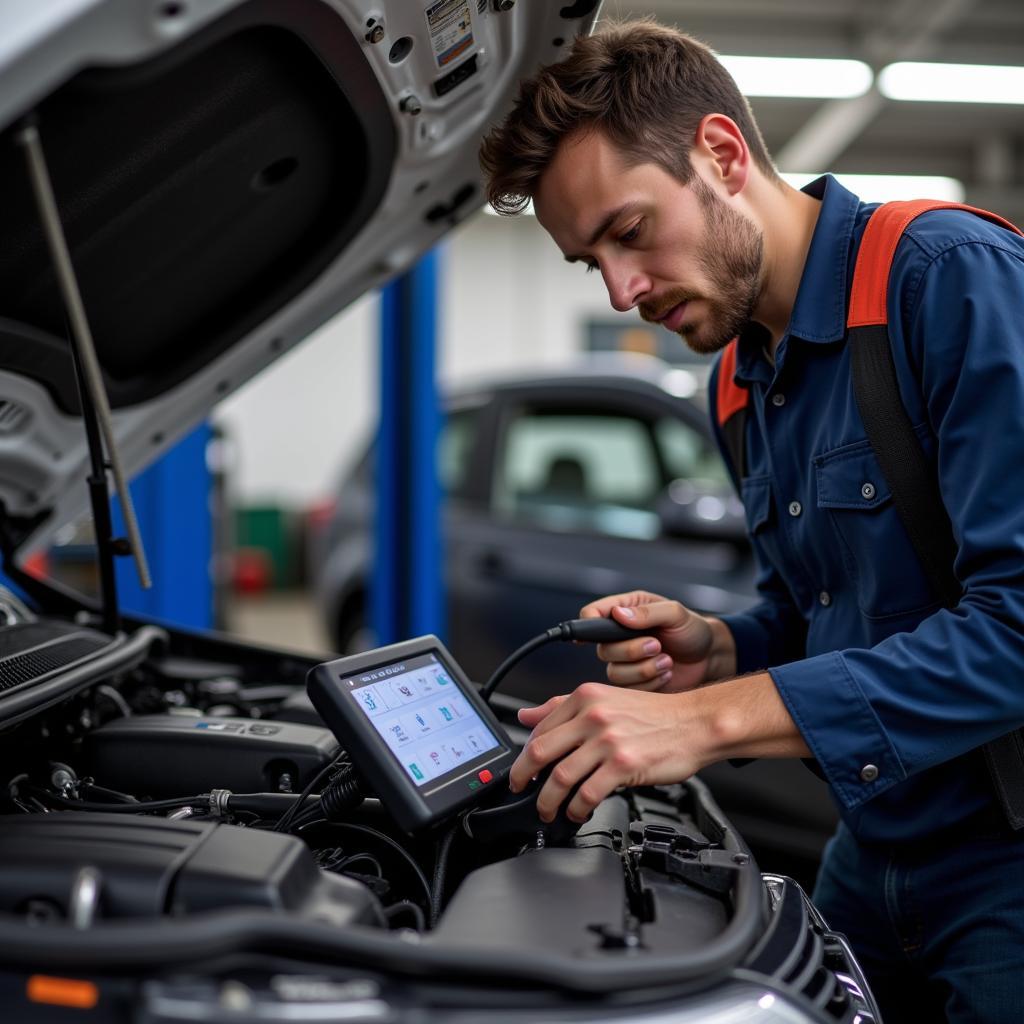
{"x":720,"y":146}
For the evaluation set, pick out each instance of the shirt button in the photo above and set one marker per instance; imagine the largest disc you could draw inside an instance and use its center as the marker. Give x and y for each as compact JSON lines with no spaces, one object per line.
{"x":824,"y":599}
{"x":795,"y":508}
{"x":778,"y":400}
{"x":867,"y":491}
{"x":869,"y":773}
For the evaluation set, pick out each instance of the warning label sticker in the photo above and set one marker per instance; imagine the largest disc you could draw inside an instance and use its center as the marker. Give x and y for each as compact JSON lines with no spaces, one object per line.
{"x":451,"y":30}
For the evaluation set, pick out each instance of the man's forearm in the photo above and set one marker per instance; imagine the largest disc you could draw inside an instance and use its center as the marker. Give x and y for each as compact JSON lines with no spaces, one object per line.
{"x":746,"y":717}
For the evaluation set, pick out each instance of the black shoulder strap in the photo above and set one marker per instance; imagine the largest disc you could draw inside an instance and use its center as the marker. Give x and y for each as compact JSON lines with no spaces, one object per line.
{"x":911,"y":478}
{"x":915,"y":489}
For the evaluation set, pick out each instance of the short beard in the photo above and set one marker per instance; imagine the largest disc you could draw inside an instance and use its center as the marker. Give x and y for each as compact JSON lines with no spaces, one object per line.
{"x":732,"y":257}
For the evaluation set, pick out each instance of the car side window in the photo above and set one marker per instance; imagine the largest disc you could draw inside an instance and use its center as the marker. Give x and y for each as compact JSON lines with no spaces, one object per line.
{"x":591,"y":471}
{"x":688,"y":455}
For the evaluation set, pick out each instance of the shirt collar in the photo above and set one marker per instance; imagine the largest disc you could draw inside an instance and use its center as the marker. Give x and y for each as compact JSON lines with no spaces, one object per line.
{"x":819,"y":312}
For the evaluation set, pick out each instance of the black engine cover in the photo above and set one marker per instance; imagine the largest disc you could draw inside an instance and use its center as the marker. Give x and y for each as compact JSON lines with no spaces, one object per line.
{"x":148,"y":867}
{"x":181,"y":755}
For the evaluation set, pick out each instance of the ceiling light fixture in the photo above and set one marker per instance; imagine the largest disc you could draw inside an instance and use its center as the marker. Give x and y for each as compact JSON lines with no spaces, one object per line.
{"x":952,"y":83}
{"x":811,"y":77}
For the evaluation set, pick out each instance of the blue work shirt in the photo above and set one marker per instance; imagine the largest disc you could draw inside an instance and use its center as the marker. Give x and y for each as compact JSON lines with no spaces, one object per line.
{"x":892,"y":692}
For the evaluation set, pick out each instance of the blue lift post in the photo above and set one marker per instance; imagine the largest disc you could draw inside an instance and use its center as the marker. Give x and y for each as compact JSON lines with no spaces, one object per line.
{"x":172,"y":502}
{"x":407,"y":585}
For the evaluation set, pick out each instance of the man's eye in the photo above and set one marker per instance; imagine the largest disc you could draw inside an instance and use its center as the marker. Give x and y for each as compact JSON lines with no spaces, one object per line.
{"x":631,"y":234}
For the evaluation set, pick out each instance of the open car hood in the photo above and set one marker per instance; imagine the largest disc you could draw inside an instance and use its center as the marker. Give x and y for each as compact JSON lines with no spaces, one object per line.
{"x":229,"y":174}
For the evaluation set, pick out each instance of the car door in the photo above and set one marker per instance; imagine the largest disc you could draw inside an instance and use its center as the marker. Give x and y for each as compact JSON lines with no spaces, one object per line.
{"x":573,"y":480}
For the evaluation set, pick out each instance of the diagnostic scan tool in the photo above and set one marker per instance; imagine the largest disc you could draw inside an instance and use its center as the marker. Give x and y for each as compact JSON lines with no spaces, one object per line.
{"x":415,"y":727}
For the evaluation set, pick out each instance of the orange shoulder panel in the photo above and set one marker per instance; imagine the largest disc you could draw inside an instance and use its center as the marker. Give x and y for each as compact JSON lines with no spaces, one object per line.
{"x":730,"y":397}
{"x":877,"y":248}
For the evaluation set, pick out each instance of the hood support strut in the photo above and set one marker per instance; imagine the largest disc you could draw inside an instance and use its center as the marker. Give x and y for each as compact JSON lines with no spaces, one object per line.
{"x":99,"y":426}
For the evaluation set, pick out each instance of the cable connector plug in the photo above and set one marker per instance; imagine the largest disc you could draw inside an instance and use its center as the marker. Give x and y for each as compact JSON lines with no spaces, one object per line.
{"x":594,"y":631}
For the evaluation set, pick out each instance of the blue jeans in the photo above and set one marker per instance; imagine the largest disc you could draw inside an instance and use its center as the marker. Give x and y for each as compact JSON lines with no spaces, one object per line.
{"x":938,"y":927}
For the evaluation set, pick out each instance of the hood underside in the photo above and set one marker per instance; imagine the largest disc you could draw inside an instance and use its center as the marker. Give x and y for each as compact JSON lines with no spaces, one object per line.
{"x":229,"y":174}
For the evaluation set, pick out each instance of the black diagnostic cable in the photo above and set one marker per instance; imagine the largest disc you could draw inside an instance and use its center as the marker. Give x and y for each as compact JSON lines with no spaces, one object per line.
{"x":201,"y":799}
{"x":594,"y":631}
{"x":444,"y":847}
{"x":381,"y":837}
{"x":289,"y":815}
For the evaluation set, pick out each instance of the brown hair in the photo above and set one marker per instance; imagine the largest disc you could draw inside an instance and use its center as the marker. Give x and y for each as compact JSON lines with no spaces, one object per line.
{"x":645,"y":86}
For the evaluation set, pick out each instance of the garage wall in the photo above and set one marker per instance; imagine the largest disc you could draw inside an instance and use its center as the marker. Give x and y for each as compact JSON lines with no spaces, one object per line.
{"x":509,"y":301}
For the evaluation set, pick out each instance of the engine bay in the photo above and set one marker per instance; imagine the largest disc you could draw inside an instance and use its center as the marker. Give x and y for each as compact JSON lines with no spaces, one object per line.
{"x":176,"y":812}
{"x":175,"y":785}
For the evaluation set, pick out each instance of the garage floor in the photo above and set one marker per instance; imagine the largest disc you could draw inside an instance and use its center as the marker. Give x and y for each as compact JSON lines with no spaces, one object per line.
{"x":286,"y":619}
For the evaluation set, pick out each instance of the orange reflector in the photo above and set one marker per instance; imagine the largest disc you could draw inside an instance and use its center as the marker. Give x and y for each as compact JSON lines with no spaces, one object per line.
{"x":81,"y":995}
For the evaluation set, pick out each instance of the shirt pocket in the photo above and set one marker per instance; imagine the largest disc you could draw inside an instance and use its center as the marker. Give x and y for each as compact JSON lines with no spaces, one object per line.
{"x":875,"y":550}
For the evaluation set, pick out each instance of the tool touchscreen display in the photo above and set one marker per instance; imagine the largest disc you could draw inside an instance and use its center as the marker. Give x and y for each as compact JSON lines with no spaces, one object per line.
{"x":428,"y":725}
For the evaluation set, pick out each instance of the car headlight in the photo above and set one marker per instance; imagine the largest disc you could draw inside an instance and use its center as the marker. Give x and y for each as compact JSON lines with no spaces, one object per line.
{"x":736,"y":1002}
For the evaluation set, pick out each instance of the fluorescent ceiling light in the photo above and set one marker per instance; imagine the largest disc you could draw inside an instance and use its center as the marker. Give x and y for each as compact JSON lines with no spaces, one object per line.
{"x":952,"y":83}
{"x":814,"y":77}
{"x":879,"y":188}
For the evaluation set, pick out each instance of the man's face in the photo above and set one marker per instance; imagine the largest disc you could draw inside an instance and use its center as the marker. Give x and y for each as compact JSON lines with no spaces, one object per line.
{"x":679,"y":253}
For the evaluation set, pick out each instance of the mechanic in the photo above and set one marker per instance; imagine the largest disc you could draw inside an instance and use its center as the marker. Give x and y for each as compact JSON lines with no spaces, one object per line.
{"x":644,"y":163}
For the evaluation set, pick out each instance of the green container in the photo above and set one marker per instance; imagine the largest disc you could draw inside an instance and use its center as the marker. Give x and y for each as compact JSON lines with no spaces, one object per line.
{"x":270,"y":528}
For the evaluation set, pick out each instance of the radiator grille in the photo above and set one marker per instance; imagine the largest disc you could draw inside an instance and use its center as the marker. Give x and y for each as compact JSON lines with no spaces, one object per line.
{"x":23,"y":668}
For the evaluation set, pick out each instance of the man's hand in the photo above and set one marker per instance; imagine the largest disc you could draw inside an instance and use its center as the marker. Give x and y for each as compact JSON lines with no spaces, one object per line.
{"x":677,"y":649}
{"x":605,"y":737}
{"x":616,"y":737}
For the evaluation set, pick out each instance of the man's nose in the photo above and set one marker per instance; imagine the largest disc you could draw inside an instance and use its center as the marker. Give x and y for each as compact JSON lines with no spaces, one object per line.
{"x":626,"y":287}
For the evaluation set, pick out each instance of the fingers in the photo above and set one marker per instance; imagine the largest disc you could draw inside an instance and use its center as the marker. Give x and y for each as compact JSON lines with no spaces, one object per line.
{"x":649,"y":674}
{"x":563,"y":777}
{"x":546,"y":744}
{"x":653,"y":615}
{"x":658,"y":616}
{"x":530,"y":717}
{"x":604,"y":605}
{"x":629,"y":650}
{"x":602,"y":783}
{"x":642,"y":663}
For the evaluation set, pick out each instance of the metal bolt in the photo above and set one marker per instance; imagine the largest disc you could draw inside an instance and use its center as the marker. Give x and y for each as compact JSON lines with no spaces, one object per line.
{"x":284,"y":782}
{"x":63,"y":781}
{"x":869,"y":773}
{"x":411,"y":105}
{"x":504,"y":5}
{"x":740,"y":858}
{"x":376,"y":34}
{"x":867,"y":491}
{"x":778,"y":400}
{"x":795,"y":508}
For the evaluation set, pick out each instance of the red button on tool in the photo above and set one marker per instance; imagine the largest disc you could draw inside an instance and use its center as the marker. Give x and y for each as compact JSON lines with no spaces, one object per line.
{"x":484,"y":776}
